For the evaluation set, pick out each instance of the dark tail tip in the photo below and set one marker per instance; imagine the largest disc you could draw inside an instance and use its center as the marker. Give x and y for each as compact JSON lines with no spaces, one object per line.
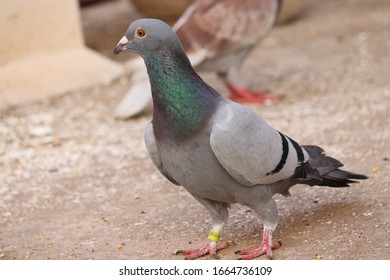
{"x":328,"y":172}
{"x":341,"y":178}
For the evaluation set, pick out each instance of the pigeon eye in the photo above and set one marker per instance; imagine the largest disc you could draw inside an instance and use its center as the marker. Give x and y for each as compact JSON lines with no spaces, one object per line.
{"x":140,"y":33}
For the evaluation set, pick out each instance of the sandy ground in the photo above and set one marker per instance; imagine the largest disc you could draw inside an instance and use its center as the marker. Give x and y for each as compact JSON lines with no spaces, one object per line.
{"x":76,"y":184}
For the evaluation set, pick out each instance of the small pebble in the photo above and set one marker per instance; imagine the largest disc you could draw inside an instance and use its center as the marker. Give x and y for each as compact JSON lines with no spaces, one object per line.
{"x":39,"y":131}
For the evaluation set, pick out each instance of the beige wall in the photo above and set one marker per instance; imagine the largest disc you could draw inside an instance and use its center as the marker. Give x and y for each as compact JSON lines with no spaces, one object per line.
{"x":42,"y":51}
{"x":37,"y":26}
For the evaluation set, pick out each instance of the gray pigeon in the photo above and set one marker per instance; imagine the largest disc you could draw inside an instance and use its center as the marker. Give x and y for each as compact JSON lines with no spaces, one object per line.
{"x":196,"y":140}
{"x":217,"y":36}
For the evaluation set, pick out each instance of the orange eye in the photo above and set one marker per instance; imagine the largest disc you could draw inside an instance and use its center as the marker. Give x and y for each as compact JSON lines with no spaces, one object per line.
{"x":140,"y":33}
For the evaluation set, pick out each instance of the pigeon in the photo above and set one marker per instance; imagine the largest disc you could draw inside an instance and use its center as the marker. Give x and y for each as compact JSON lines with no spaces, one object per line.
{"x":219,"y":150}
{"x":217,"y":36}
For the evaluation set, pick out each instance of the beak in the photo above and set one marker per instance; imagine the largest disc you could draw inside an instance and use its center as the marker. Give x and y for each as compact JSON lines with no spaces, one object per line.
{"x":121,"y":46}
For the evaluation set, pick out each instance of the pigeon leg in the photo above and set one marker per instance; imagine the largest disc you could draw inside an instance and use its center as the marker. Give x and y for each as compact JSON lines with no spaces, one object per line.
{"x":266,"y":247}
{"x":219,"y":213}
{"x":248,"y":96}
{"x":268,"y":213}
{"x":211,"y":247}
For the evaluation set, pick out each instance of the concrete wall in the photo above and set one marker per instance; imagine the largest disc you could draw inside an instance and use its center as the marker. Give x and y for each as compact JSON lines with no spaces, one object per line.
{"x":42,"y":52}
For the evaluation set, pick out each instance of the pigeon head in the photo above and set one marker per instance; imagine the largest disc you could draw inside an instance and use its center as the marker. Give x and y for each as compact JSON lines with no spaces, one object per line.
{"x":147,"y":36}
{"x":182,"y":101}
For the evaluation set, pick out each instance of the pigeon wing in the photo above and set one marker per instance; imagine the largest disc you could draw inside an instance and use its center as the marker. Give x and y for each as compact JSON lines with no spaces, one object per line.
{"x":215,"y":27}
{"x":250,"y":150}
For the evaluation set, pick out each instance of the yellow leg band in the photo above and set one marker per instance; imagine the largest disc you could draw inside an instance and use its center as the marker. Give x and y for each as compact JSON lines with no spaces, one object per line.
{"x":214,"y":235}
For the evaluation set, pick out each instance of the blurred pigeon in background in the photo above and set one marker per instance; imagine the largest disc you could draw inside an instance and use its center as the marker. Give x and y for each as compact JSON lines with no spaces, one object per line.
{"x":217,"y":36}
{"x":221,"y":152}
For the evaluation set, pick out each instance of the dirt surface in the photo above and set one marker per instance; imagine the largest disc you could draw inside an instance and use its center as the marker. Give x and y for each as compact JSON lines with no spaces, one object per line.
{"x":76,"y":184}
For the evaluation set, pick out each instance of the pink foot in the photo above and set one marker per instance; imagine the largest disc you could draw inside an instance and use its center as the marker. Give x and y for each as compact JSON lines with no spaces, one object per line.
{"x":265,"y":248}
{"x":248,"y":96}
{"x":209,"y":248}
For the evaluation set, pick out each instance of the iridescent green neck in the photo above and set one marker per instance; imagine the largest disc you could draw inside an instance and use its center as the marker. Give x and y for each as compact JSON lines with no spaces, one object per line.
{"x":182,"y":101}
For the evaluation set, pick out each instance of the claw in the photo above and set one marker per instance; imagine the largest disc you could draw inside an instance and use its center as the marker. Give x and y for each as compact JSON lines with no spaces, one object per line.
{"x":225,"y":245}
{"x":248,"y":96}
{"x":264,"y":248}
{"x":208,"y":248}
{"x":215,"y":256}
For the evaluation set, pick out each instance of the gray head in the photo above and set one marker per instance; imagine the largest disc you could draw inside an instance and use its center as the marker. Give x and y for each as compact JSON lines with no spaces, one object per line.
{"x":146,"y":36}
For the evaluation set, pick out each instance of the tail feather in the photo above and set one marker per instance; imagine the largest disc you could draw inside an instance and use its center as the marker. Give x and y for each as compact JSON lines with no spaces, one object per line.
{"x":137,"y":98}
{"x":322,"y":170}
